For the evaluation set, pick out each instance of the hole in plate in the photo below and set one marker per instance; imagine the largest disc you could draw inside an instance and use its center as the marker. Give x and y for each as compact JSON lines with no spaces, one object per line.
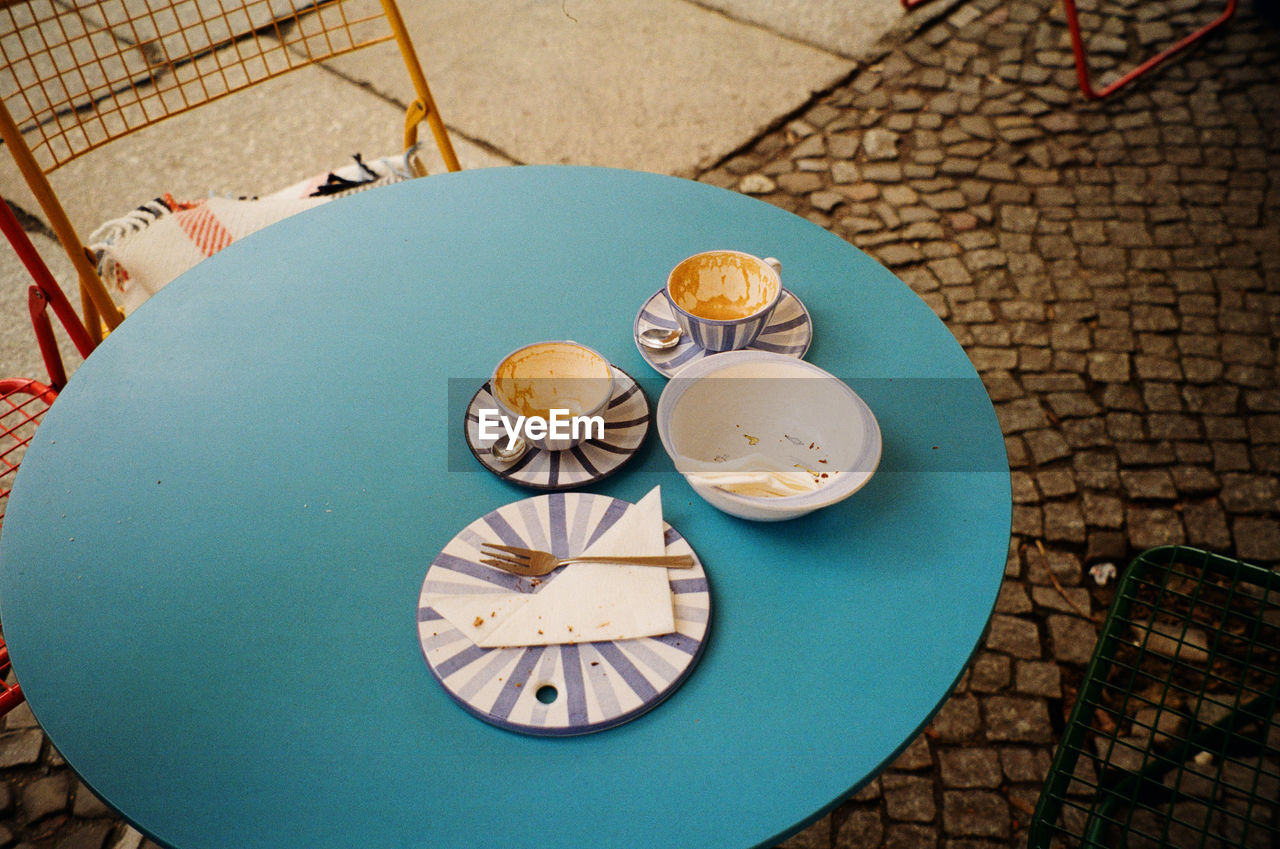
{"x":547,"y":694}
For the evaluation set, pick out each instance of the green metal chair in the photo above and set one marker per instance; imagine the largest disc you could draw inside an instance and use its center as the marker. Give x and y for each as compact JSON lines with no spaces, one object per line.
{"x":1174,"y":738}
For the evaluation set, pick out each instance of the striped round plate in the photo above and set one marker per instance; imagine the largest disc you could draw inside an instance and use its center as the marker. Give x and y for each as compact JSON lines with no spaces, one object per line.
{"x":557,"y":690}
{"x":789,"y":331}
{"x":626,"y":421}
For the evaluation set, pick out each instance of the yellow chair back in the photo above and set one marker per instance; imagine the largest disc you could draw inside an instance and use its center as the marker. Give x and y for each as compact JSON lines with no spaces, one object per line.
{"x":77,"y":76}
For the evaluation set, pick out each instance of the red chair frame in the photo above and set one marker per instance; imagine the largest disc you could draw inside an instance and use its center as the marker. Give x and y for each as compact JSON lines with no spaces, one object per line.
{"x":23,"y":403}
{"x":44,"y":294}
{"x":1082,"y":59}
{"x":10,"y":694}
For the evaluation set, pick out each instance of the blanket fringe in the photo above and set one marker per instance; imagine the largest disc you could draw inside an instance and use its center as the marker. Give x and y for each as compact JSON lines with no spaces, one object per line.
{"x":137,"y":219}
{"x":362,"y":175}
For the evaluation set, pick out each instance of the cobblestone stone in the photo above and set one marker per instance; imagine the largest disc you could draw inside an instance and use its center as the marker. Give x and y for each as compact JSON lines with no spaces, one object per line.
{"x":1039,"y":678}
{"x":975,"y":812}
{"x":1025,"y":765}
{"x":20,"y":748}
{"x":1017,"y":719}
{"x":861,"y":829}
{"x":910,"y":837}
{"x":1013,"y":598}
{"x":908,"y":798}
{"x":918,"y":755}
{"x":958,"y":719}
{"x":969,"y":768}
{"x":1064,"y":599}
{"x":1071,"y":638}
{"x":1257,"y":539}
{"x":86,"y":804}
{"x":990,"y":673}
{"x":45,"y":796}
{"x":1013,"y":636}
{"x":1149,"y":527}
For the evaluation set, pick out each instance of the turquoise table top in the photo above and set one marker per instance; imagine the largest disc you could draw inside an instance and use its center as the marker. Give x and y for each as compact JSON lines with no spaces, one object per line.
{"x":211,"y":561}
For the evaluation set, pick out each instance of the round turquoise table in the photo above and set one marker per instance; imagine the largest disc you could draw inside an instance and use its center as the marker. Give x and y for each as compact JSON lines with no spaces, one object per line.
{"x":211,"y":561}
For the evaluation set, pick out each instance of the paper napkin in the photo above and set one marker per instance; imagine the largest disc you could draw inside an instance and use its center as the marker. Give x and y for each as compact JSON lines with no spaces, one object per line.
{"x":772,"y":484}
{"x":586,"y":602}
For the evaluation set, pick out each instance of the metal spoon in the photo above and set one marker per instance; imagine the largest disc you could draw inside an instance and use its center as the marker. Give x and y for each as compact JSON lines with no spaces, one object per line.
{"x":500,"y":452}
{"x":660,"y":338}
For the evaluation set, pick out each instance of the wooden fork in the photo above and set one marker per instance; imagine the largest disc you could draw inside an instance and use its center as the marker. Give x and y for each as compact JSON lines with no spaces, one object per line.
{"x":531,"y":563}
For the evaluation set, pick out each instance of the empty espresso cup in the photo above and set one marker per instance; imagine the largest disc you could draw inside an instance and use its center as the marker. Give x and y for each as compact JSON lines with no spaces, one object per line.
{"x":723,"y":299}
{"x":552,"y":392}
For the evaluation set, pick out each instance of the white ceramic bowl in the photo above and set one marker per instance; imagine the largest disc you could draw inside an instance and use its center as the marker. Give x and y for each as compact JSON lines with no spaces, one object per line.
{"x":751,"y":409}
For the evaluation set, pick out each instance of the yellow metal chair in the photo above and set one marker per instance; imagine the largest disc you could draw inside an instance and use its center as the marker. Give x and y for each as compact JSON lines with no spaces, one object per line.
{"x":76,"y":76}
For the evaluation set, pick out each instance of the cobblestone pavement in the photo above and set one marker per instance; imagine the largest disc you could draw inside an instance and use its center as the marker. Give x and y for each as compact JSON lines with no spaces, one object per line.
{"x":1112,"y":269}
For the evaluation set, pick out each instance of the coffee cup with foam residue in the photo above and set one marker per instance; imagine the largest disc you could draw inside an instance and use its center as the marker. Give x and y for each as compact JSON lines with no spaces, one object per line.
{"x":723,"y":299}
{"x":553,"y":393}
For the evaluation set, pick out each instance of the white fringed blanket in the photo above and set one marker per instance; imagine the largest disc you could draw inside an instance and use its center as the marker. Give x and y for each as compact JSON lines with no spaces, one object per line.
{"x":141,"y":252}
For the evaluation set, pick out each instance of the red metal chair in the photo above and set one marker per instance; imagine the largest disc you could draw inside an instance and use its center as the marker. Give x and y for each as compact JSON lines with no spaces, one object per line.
{"x":1082,"y":58}
{"x":10,"y":694}
{"x":43,"y":294}
{"x":23,"y":402}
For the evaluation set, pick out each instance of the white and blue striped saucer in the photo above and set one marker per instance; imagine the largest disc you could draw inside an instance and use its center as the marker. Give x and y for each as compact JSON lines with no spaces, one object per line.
{"x":789,"y":332}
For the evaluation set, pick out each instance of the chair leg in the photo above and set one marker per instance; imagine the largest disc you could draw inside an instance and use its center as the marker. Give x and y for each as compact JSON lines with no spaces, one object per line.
{"x":38,"y":306}
{"x":45,"y":293}
{"x":424,"y":108}
{"x":93,"y":290}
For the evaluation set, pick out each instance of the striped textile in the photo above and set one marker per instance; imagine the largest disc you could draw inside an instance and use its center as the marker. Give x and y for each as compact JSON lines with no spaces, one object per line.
{"x":141,"y":252}
{"x":204,"y":229}
{"x":167,"y":237}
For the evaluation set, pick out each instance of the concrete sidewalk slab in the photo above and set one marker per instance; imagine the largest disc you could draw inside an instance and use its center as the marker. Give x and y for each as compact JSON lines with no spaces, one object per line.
{"x":837,"y":26}
{"x":260,"y":140}
{"x":664,"y":86}
{"x":105,"y":63}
